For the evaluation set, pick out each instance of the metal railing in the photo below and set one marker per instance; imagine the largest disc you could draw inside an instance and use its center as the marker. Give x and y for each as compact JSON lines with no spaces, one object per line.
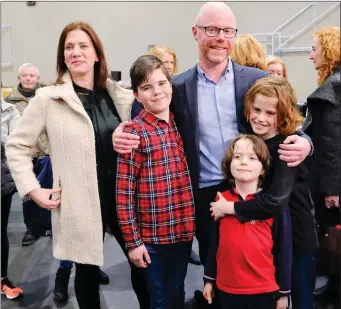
{"x":310,"y":25}
{"x":275,"y":42}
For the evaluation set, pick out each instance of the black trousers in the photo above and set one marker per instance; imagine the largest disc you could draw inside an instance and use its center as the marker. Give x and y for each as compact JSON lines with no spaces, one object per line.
{"x":87,"y":280}
{"x":87,"y":286}
{"x":203,"y":216}
{"x":255,"y":301}
{"x":5,"y":210}
{"x":137,"y":275}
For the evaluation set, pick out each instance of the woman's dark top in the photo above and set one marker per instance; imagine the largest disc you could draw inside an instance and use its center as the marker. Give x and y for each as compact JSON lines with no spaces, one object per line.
{"x":105,"y":119}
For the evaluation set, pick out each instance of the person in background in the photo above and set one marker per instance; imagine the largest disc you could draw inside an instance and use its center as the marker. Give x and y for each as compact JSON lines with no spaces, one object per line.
{"x":10,"y":290}
{"x":249,"y":52}
{"x":9,"y":120}
{"x":78,"y":112}
{"x":167,"y":56}
{"x":323,"y":124}
{"x":276,"y":67}
{"x":10,"y":117}
{"x":28,"y":76}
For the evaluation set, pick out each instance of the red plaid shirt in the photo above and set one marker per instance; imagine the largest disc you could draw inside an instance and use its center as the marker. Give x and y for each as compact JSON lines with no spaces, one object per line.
{"x":153,"y":191}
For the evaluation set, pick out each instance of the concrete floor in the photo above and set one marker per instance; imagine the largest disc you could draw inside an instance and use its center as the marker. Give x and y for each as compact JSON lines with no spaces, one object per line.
{"x":33,"y":268}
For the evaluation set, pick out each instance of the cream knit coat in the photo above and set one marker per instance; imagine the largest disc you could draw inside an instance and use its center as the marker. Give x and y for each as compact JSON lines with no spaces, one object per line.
{"x":57,"y":111}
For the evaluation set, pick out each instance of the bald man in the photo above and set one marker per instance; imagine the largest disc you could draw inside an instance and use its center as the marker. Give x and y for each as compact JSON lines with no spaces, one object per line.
{"x":208,"y":106}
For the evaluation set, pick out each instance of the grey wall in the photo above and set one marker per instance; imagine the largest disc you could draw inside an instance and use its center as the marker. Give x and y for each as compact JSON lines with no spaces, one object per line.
{"x":127,"y":28}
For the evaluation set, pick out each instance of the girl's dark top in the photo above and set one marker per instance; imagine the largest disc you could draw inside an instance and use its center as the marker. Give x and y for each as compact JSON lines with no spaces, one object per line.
{"x":293,"y":185}
{"x":105,"y":119}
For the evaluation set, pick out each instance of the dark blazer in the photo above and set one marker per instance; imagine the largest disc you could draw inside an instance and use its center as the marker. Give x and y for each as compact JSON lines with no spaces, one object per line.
{"x":185,"y":108}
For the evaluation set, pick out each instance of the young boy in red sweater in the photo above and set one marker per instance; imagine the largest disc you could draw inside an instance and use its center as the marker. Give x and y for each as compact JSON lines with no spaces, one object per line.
{"x":249,"y":264}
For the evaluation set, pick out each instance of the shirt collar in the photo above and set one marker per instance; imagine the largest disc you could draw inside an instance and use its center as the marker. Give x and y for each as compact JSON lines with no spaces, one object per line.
{"x":203,"y":76}
{"x":153,"y":120}
{"x":248,"y":197}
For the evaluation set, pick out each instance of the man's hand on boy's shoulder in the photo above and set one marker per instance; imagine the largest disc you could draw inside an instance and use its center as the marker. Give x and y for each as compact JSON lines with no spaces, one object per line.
{"x":294,"y":150}
{"x":124,"y":142}
{"x":139,"y":256}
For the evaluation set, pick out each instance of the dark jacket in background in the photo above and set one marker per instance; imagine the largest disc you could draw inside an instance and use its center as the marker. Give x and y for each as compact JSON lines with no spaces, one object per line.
{"x":7,"y":183}
{"x":323,"y":125}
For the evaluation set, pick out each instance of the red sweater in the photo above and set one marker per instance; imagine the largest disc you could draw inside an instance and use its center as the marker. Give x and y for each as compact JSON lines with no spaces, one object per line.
{"x":244,"y":259}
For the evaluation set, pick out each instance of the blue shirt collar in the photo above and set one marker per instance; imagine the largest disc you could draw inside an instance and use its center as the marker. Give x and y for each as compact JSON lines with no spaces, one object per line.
{"x":202,"y":75}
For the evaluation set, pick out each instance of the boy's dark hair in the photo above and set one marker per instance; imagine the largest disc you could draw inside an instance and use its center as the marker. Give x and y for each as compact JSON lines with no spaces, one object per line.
{"x":260,"y":149}
{"x":142,"y":67}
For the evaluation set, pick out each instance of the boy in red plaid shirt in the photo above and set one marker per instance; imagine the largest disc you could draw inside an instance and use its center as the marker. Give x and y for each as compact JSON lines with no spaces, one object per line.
{"x":155,"y":204}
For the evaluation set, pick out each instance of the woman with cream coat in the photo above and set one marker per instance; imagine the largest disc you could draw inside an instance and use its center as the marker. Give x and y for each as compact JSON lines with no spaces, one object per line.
{"x":78,"y":113}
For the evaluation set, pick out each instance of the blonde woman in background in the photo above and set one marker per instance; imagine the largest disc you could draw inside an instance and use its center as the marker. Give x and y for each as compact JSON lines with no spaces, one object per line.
{"x":167,"y":56}
{"x":276,"y":67}
{"x":249,"y":52}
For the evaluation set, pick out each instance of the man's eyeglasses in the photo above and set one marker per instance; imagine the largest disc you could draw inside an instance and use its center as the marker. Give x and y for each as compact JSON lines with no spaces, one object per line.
{"x":210,"y":31}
